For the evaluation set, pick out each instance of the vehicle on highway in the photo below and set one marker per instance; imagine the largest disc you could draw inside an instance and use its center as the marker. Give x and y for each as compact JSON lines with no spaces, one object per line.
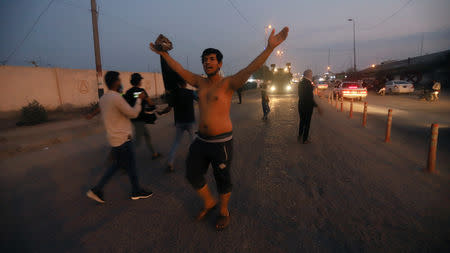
{"x":399,"y":86}
{"x":280,"y":88}
{"x":322,"y":85}
{"x":350,"y":90}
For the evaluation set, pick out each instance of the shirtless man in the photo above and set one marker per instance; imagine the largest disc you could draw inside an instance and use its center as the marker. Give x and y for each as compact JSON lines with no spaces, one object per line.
{"x":213,"y":144}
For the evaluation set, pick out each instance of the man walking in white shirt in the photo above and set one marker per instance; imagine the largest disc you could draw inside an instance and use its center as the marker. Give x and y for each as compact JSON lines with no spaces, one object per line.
{"x":116,"y":115}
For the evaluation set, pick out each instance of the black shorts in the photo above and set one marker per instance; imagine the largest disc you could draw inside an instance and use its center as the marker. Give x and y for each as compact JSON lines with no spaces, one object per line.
{"x":202,"y":153}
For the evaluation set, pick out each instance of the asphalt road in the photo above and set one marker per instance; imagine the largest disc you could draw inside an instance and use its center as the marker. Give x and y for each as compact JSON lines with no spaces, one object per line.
{"x":345,"y":192}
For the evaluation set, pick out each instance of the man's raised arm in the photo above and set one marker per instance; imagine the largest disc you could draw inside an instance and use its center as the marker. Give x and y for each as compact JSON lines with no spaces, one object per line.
{"x":238,"y":80}
{"x":188,"y":76}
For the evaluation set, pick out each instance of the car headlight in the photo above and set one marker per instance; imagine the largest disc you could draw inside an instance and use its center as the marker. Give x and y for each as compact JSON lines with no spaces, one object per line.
{"x":288,"y":87}
{"x":273,"y":88}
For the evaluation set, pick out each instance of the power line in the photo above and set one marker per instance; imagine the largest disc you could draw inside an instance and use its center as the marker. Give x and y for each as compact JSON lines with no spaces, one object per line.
{"x":389,"y":17}
{"x":28,"y":34}
{"x":242,"y":16}
{"x":102,"y":13}
{"x":74,"y":5}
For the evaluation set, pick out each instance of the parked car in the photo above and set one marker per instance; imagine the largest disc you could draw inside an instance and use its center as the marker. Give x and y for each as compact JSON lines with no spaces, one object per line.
{"x":399,"y":86}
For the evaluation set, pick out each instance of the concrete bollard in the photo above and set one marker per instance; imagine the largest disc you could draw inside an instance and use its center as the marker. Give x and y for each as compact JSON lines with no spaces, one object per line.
{"x":431,"y":164}
{"x":351,"y":109}
{"x":364,"y":122}
{"x":342,"y":104}
{"x":388,"y":127}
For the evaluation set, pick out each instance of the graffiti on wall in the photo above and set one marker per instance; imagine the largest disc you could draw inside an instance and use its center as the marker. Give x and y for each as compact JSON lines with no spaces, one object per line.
{"x":83,"y":87}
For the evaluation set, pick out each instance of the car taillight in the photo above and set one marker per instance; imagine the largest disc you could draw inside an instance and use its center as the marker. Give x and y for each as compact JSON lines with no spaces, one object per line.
{"x":346,"y":91}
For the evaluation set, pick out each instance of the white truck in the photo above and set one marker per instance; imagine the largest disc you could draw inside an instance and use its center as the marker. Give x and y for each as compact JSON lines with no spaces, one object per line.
{"x":350,"y":89}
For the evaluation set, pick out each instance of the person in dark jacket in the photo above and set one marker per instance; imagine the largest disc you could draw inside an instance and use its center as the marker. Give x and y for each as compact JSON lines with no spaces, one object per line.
{"x":239,"y":92}
{"x":141,"y":131}
{"x":265,"y":101}
{"x":182,"y":101}
{"x":306,"y":105}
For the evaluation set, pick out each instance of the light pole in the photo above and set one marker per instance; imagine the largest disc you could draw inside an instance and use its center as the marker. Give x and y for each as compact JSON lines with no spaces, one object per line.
{"x":354,"y":44}
{"x":266,"y":30}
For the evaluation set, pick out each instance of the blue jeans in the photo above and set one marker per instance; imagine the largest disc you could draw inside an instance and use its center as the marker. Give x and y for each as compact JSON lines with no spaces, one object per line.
{"x":121,"y":157}
{"x":141,"y":131}
{"x":180,"y":128}
{"x":266,"y":108}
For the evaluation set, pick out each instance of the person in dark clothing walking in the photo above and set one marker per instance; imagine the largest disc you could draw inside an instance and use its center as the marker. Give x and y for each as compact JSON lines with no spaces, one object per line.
{"x":141,"y":131}
{"x":239,"y":92}
{"x":265,"y":101}
{"x":306,"y":105}
{"x":182,"y":101}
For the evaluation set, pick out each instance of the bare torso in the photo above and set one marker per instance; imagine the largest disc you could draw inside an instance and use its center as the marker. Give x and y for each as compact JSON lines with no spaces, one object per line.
{"x":214,"y":105}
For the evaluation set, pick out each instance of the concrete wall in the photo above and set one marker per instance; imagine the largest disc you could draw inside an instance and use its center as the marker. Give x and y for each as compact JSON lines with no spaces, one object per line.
{"x":56,"y":87}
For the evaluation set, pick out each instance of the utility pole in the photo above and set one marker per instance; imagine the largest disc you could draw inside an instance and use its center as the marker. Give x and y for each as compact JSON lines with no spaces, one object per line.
{"x":328,"y":66}
{"x":98,"y":60}
{"x":266,"y":32}
{"x":421,"y":45}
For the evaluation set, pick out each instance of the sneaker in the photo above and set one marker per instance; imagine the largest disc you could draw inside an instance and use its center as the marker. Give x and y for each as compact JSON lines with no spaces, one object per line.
{"x":96,"y":195}
{"x":141,"y":194}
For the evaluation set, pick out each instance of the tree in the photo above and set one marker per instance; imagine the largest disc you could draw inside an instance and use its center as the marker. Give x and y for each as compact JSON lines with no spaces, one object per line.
{"x":263,"y":73}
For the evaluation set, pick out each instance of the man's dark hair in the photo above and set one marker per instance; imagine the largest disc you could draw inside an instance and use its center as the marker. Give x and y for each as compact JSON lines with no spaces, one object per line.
{"x":135,"y":79}
{"x":110,"y":78}
{"x":209,"y":51}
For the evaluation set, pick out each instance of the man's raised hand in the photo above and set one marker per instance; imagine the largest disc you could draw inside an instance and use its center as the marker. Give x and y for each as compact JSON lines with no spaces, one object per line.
{"x":153,"y":48}
{"x":275,"y":40}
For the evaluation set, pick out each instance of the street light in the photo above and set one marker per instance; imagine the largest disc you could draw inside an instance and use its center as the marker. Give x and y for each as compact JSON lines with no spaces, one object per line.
{"x":266,"y":30}
{"x":328,"y":68}
{"x":373,"y":65}
{"x":286,"y":69}
{"x":354,"y":44}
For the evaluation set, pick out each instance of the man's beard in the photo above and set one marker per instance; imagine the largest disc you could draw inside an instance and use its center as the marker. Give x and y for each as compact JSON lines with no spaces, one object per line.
{"x":213,"y":74}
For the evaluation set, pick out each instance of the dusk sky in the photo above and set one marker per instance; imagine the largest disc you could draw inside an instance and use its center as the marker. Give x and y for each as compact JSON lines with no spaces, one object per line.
{"x":63,"y":35}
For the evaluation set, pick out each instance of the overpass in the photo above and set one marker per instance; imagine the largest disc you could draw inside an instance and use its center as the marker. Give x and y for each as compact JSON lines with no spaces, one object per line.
{"x":413,"y":69}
